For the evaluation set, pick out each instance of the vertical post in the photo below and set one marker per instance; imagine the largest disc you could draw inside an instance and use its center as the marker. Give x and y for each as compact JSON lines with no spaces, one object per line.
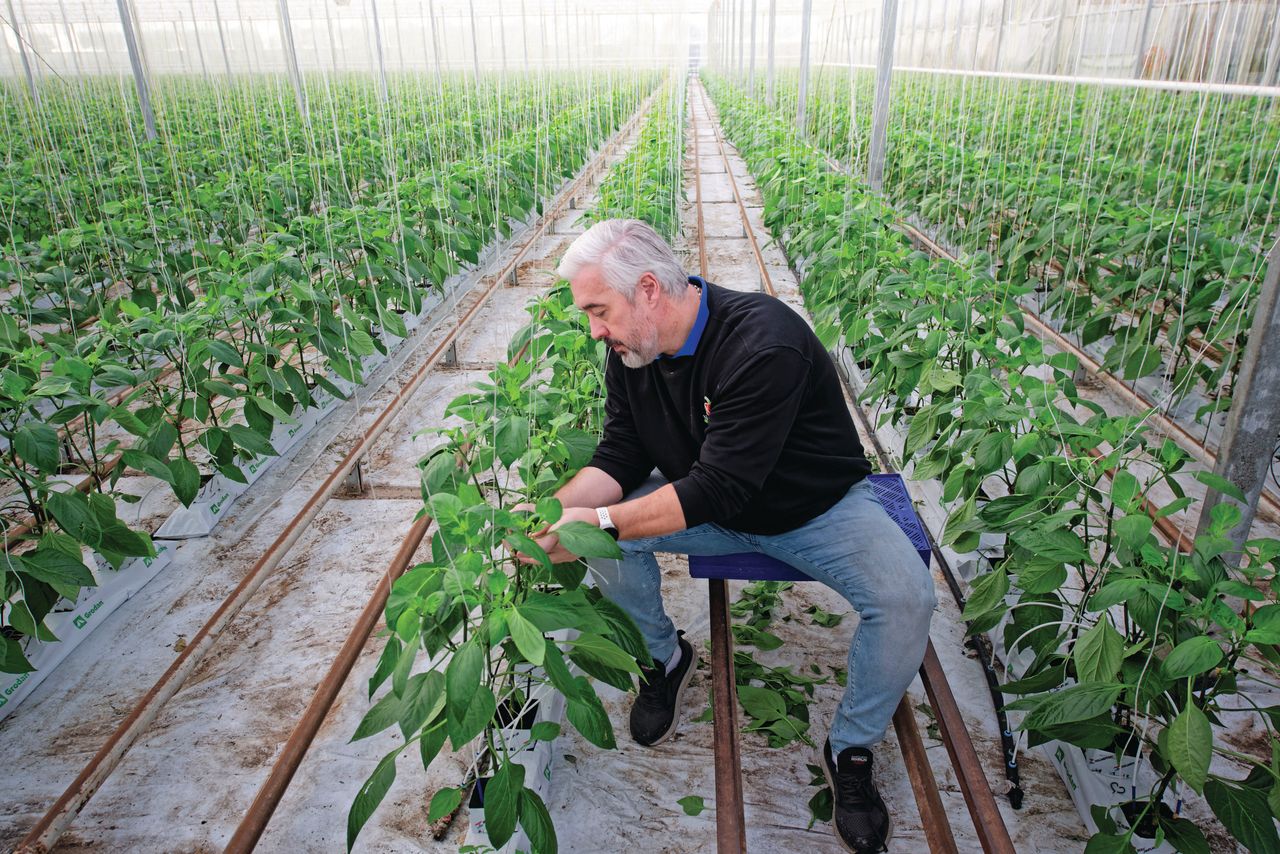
{"x":222,"y":39}
{"x":731,"y":837}
{"x":22,"y":52}
{"x":773,"y":23}
{"x":1055,"y":58}
{"x":291,"y":56}
{"x":1271,"y":74}
{"x":751,"y":66}
{"x":71,"y":40}
{"x":880,"y":110}
{"x":475,"y":50}
{"x":195,"y":31}
{"x":806,"y":11}
{"x":377,"y":40}
{"x":1004,"y":14}
{"x":1248,"y":444}
{"x":742,"y":20}
{"x":1144,"y":36}
{"x":917,"y":43}
{"x":435,"y":45}
{"x":139,"y":79}
{"x":524,"y":28}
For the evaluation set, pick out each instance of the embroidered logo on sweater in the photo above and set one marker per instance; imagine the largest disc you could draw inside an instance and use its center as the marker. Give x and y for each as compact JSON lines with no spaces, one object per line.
{"x":706,"y":410}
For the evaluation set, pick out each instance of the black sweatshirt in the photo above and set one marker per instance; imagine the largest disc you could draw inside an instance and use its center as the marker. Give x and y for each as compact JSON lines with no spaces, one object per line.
{"x":751,"y":428}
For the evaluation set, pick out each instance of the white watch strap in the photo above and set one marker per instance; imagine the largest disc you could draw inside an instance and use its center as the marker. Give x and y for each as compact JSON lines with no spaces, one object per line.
{"x":602,"y":513}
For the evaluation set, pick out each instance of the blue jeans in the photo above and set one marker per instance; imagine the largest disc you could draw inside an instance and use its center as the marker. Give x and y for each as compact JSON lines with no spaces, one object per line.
{"x":855,"y":549}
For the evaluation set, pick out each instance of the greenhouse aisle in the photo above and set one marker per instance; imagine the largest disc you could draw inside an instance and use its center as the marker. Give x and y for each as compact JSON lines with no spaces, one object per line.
{"x":187,"y":782}
{"x":634,"y":791}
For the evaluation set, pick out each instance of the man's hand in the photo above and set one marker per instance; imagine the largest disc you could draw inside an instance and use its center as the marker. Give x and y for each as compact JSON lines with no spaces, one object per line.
{"x":550,"y":543}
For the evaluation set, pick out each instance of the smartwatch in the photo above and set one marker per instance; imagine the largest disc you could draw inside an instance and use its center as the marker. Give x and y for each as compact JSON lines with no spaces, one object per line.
{"x":606,"y":523}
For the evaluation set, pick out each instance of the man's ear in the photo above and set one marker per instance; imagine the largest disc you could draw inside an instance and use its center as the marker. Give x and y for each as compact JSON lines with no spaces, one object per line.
{"x":650,"y":288}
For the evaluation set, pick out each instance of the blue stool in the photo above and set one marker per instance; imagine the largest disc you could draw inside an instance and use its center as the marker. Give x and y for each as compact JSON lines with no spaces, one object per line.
{"x":752,"y":566}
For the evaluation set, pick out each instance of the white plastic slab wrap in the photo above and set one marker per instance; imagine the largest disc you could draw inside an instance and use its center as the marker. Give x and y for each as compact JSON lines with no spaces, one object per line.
{"x":72,"y":622}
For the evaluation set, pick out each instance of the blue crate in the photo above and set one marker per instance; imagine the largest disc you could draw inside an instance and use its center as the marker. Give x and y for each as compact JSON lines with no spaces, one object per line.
{"x":753,"y":566}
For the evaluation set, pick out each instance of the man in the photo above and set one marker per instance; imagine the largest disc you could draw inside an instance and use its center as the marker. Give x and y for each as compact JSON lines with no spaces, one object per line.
{"x":736,"y":403}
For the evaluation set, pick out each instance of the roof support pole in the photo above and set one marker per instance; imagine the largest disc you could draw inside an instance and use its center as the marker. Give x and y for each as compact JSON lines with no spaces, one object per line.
{"x":773,"y":22}
{"x":1144,"y":36}
{"x":291,"y":57}
{"x":880,"y":109}
{"x":22,"y":52}
{"x":135,"y":61}
{"x":1247,"y":449}
{"x":801,"y":116}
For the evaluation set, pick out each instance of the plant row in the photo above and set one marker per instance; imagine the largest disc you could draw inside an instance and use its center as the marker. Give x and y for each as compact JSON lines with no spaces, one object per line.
{"x":180,"y":387}
{"x":1123,"y":643}
{"x":504,"y":641}
{"x":648,"y":183}
{"x":500,"y":638}
{"x":1144,"y":216}
{"x":99,"y":212}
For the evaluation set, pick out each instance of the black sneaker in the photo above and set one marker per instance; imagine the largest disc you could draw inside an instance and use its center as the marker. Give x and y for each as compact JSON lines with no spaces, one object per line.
{"x":857,"y":812}
{"x":655,"y":712}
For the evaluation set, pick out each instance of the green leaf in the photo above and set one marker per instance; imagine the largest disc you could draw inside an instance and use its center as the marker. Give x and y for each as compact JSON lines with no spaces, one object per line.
{"x":225,"y":353}
{"x":586,"y":540}
{"x":161,"y":440}
{"x":763,"y":704}
{"x":1191,"y":658}
{"x":250,"y":440}
{"x":1141,"y":362}
{"x":1098,"y":653}
{"x":537,"y":823}
{"x":1185,"y":836}
{"x":988,"y":592}
{"x":72,"y":513}
{"x":1054,"y":544}
{"x":1221,"y":484}
{"x":544,"y":731}
{"x":588,"y":716}
{"x":1190,"y":745}
{"x":527,"y":637}
{"x":605,"y":651}
{"x":1075,"y":703}
{"x":430,"y":743}
{"x":384,"y":713}
{"x":36,"y":444}
{"x":469,"y":704}
{"x":423,"y":701}
{"x":502,"y":802}
{"x":64,"y":573}
{"x":370,"y":795}
{"x":692,"y":804}
{"x":186,"y":480}
{"x":1124,"y":489}
{"x":1133,"y":530}
{"x":11,"y":658}
{"x":1245,"y":813}
{"x":1105,"y":843}
{"x":444,"y":802}
{"x":512,"y":438}
{"x":139,"y":460}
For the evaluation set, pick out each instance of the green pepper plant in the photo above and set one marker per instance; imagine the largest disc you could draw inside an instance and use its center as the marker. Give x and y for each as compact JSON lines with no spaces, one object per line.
{"x":1115,"y":641}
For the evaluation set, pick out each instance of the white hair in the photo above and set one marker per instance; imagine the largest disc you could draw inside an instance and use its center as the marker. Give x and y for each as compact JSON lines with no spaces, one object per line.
{"x":624,"y":250}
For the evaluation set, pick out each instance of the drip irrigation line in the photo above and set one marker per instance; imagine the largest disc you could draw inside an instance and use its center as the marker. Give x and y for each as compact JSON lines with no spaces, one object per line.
{"x":45,"y":833}
{"x":992,"y":832}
